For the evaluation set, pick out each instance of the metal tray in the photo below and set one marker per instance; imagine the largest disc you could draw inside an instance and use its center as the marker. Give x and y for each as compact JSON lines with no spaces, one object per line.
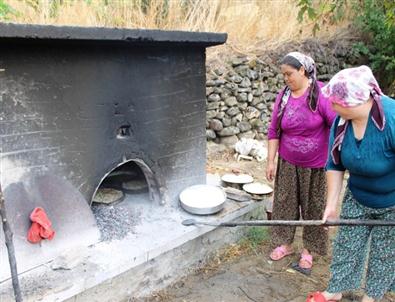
{"x":202,"y":199}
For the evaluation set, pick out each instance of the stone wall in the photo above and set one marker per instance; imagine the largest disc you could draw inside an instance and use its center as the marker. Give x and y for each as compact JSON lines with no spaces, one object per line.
{"x":241,"y":90}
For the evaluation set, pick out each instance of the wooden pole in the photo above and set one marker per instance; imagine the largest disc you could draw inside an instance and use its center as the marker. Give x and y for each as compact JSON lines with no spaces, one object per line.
{"x":10,"y":249}
{"x":339,"y":222}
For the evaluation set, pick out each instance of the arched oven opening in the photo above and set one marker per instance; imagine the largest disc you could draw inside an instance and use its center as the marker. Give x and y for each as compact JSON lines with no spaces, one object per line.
{"x":115,"y":203}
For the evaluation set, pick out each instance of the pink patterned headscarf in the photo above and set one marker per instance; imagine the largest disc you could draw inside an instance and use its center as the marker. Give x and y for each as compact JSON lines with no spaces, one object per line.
{"x":349,"y":88}
{"x":352,"y":86}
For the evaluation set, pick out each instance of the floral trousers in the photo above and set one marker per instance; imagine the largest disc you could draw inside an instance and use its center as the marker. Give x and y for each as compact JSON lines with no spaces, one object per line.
{"x":356,"y":246}
{"x":299,"y":192}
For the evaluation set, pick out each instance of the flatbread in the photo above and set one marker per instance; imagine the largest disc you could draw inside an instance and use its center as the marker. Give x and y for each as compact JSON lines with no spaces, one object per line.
{"x":108,"y":196}
{"x":134,"y":185}
{"x":237,"y":178}
{"x":257,"y":188}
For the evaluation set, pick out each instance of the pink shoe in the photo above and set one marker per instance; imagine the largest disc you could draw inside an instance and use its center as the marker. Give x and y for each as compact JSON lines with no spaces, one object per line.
{"x":280,"y":252}
{"x":306,"y":261}
{"x":304,"y":265}
{"x":318,"y":297}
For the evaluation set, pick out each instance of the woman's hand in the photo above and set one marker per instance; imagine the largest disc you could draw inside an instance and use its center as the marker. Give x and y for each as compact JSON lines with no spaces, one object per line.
{"x":330,"y":212}
{"x":270,"y":171}
{"x":272,"y":148}
{"x":335,"y":181}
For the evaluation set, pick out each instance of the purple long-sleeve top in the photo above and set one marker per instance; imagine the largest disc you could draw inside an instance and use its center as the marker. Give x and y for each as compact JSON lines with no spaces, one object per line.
{"x":304,"y":134}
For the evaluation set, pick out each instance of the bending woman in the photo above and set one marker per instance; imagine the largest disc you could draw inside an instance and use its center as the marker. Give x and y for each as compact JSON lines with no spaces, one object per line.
{"x":299,"y":132}
{"x":363,"y":143}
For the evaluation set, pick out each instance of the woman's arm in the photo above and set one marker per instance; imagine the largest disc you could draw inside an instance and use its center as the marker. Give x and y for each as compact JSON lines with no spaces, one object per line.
{"x":272,"y":129}
{"x":335,"y":183}
{"x":273,"y":140}
{"x":334,"y":179}
{"x":271,"y":156}
{"x":325,"y":109}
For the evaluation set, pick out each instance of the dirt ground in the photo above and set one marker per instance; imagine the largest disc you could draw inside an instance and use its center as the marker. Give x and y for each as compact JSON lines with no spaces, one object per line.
{"x":244,"y":273}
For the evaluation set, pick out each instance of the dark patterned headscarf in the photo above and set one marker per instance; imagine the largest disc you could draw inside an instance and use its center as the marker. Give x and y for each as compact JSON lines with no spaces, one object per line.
{"x":349,"y":88}
{"x":307,"y":62}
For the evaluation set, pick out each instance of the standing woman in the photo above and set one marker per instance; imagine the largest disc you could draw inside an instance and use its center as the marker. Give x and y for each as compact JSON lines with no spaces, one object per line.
{"x":299,"y":132}
{"x":363,"y":142}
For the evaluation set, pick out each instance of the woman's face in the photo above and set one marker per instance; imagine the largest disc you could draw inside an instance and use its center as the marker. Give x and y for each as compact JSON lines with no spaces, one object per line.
{"x":294,"y":79}
{"x":349,"y":113}
{"x":344,"y":112}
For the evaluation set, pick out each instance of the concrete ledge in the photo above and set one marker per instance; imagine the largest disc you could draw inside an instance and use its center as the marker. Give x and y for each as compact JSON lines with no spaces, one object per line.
{"x":160,"y":251}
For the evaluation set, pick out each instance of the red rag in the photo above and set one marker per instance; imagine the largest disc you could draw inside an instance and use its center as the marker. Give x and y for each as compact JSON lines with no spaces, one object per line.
{"x":33,"y":235}
{"x":41,"y":226}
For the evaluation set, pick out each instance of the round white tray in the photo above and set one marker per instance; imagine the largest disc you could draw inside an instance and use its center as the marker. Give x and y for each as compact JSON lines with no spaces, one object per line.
{"x":202,"y":199}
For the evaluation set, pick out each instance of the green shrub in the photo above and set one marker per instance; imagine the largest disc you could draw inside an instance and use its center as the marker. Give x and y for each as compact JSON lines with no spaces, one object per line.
{"x":374,"y":18}
{"x":379,"y":45}
{"x":257,"y":235}
{"x":6,"y":11}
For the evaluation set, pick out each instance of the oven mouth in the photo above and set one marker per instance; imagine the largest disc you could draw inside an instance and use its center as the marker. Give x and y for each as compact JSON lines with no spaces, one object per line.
{"x":128,"y":178}
{"x":118,"y":198}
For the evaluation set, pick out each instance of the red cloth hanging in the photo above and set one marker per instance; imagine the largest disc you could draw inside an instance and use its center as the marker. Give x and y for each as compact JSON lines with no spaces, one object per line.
{"x":41,"y":227}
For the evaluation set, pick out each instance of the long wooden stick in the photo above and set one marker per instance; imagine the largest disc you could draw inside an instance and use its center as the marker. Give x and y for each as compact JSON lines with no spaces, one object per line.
{"x":10,"y":249}
{"x":352,"y":222}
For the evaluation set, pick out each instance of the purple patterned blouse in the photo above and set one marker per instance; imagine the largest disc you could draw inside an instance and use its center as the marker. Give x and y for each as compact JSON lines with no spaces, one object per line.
{"x":304,"y":134}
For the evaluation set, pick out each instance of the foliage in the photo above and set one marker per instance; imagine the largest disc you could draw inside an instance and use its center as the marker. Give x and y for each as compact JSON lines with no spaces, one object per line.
{"x":380,"y":46}
{"x":390,"y":11}
{"x":256,"y":236}
{"x":322,"y":14}
{"x":6,"y":11}
{"x":252,"y":25}
{"x":375,"y":19}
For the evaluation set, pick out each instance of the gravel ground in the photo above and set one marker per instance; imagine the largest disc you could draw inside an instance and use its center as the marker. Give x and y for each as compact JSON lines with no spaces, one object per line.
{"x":114,"y":221}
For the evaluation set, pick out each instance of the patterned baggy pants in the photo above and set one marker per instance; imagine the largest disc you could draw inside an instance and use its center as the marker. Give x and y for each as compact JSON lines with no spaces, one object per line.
{"x":299,"y":191}
{"x":355,"y":245}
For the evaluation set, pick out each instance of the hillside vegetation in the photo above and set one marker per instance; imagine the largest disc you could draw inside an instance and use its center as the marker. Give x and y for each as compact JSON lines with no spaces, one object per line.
{"x":250,"y":24}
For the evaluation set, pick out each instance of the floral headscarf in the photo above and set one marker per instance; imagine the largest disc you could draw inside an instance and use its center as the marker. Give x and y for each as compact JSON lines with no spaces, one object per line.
{"x":352,"y":86}
{"x":309,"y":65}
{"x":349,"y":88}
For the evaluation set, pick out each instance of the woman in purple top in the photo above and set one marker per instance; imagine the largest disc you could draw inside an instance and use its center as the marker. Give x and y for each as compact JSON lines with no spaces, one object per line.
{"x":299,"y":132}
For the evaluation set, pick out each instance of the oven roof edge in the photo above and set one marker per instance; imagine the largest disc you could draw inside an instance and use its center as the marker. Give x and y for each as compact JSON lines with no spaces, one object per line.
{"x":27,"y":32}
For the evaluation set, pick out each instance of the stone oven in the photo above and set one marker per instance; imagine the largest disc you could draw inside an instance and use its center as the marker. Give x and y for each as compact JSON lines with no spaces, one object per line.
{"x":76,"y":103}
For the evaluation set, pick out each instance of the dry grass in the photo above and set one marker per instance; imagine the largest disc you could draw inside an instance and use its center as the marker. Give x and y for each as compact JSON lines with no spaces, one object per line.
{"x":250,"y":24}
{"x":254,"y":242}
{"x":226,"y":254}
